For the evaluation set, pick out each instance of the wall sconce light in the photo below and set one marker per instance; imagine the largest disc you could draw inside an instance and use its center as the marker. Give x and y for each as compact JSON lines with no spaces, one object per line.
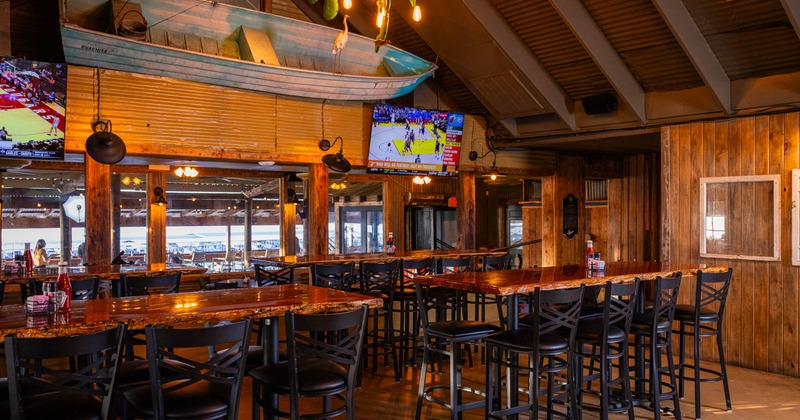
{"x":335,"y":162}
{"x":187,"y":171}
{"x":421,"y":180}
{"x":291,"y":196}
{"x":159,"y":193}
{"x":338,"y":186}
{"x":494,"y":173}
{"x":128,"y":181}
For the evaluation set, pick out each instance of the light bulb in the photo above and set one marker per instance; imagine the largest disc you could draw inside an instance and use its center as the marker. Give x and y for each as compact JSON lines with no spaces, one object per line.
{"x":426,"y":179}
{"x":348,"y":4}
{"x":493,"y":177}
{"x":381,"y":14}
{"x":126,"y":181}
{"x":417,"y":14}
{"x":179,"y":171}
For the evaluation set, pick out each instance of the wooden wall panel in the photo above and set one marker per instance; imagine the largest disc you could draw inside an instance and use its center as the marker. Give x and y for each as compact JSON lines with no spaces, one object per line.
{"x":761,"y":320}
{"x":532,"y":221}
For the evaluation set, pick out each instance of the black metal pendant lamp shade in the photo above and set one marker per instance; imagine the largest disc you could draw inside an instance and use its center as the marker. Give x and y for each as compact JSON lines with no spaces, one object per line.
{"x":103,"y":145}
{"x":335,"y":162}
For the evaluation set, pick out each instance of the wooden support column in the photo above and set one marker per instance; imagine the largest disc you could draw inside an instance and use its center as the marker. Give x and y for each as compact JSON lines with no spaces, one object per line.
{"x":156,"y":220}
{"x":66,"y":230}
{"x":393,"y":213}
{"x":98,"y":212}
{"x":317,"y":199}
{"x":288,"y":220}
{"x":465,"y":210}
{"x":248,"y":231}
{"x":115,"y":220}
{"x":549,"y":231}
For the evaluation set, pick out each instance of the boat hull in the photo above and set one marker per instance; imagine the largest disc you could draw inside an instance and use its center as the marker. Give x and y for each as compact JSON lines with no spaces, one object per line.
{"x":97,"y":49}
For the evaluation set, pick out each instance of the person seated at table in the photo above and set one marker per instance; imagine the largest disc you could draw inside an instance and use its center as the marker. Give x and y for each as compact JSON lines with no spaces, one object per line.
{"x":40,"y":254}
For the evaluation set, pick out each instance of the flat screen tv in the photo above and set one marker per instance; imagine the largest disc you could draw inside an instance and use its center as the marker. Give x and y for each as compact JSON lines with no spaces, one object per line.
{"x":414,"y":141}
{"x":32,"y":108}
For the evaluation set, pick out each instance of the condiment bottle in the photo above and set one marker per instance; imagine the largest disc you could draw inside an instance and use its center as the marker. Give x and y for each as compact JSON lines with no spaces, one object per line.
{"x":64,"y":285}
{"x":390,"y":244}
{"x":28,"y":263}
{"x":589,"y":254}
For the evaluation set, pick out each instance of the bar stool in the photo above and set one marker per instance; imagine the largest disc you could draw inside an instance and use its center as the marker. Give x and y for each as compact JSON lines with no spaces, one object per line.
{"x":652,"y":331}
{"x":270,"y":276}
{"x":604,"y":339}
{"x":446,"y":338}
{"x":405,"y":295}
{"x":704,"y":318}
{"x":548,"y":345}
{"x":340,"y":276}
{"x":379,"y":279}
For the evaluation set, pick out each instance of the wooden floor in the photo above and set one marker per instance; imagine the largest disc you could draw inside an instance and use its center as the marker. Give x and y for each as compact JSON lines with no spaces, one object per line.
{"x":755,"y":395}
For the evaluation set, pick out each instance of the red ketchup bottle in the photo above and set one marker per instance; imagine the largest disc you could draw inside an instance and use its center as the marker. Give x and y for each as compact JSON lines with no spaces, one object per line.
{"x":64,"y":285}
{"x":589,"y":254}
{"x":28,"y":260}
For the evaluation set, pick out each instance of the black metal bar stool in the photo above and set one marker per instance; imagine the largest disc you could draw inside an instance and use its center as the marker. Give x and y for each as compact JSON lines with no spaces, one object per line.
{"x":447,"y":338}
{"x":704,"y":319}
{"x":548,"y":345}
{"x":405,"y":295}
{"x":604,"y":339}
{"x":652,"y":331}
{"x":379,"y":279}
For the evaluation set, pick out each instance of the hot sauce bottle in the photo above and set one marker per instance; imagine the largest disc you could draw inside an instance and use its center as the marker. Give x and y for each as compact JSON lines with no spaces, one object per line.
{"x":64,"y":285}
{"x":28,"y":259}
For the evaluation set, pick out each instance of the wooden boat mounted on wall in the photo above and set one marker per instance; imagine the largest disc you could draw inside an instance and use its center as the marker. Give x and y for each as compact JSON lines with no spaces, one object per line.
{"x":224,"y":45}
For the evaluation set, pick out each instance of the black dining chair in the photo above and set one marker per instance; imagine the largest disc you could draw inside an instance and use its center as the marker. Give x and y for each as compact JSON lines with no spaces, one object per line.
{"x":148,"y":285}
{"x":2,"y":290}
{"x":270,"y":276}
{"x":40,"y":384}
{"x":547,"y":339}
{"x":81,"y":289}
{"x":324,"y":351}
{"x":340,"y":276}
{"x":184,"y":382}
{"x":703,"y":318}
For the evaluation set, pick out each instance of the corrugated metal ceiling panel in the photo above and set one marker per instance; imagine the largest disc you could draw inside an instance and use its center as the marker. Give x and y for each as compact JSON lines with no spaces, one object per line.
{"x":645,"y":43}
{"x":554,"y":44}
{"x":751,"y":38}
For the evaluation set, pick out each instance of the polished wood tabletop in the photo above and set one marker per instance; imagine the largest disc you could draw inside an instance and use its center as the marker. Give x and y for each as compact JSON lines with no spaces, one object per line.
{"x":305,"y":260}
{"x":180,"y":309}
{"x":105,"y":272}
{"x":510,"y":282}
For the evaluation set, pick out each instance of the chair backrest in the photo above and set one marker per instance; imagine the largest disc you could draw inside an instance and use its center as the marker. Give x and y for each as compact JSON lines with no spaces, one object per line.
{"x":335,"y":276}
{"x":2,"y":290}
{"x":711,"y":292}
{"x":381,"y":277}
{"x":448,"y":265}
{"x":148,"y":285}
{"x":336,"y":337}
{"x":495,"y":262}
{"x":665,"y":298}
{"x":417,"y":267}
{"x":224,"y":371}
{"x":86,"y":288}
{"x":619,"y":304}
{"x":271,"y":276}
{"x":556,"y":310}
{"x":224,"y":284}
{"x":39,"y":365}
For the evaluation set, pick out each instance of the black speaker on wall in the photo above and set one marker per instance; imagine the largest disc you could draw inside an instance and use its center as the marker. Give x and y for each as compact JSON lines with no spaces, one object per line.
{"x":600,"y":104}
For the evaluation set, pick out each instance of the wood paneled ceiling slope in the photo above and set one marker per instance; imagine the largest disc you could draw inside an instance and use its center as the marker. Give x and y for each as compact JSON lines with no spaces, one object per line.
{"x":529,"y":66}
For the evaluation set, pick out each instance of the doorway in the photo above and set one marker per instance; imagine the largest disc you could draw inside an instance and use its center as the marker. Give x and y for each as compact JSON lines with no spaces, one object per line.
{"x":431,"y":228}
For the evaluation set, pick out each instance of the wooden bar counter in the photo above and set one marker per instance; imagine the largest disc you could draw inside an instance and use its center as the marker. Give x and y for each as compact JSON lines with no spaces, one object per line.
{"x":306,"y":260}
{"x":180,"y":309}
{"x":105,"y":272}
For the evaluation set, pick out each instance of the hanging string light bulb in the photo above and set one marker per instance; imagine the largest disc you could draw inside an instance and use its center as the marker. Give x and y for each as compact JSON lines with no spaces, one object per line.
{"x":381,"y":13}
{"x":417,"y":13}
{"x":347,"y":4}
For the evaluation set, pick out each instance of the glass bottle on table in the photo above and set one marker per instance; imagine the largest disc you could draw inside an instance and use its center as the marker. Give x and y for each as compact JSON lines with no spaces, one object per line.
{"x":64,"y":285}
{"x":28,"y":263}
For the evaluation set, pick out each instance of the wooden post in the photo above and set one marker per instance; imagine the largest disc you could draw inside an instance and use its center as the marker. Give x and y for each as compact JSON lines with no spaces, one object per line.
{"x":156,"y":220}
{"x":288,"y":221}
{"x":393,"y":214}
{"x":115,"y":217}
{"x":248,"y":231}
{"x":465,"y":211}
{"x":66,"y":230}
{"x":98,"y":212}
{"x":317,"y":212}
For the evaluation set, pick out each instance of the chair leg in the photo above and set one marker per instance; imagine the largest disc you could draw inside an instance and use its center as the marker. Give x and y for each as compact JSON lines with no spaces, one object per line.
{"x":625,"y":373}
{"x":682,"y":357}
{"x":696,"y":363}
{"x":655,"y":377}
{"x":455,"y":380}
{"x":422,"y":375}
{"x":673,"y":380}
{"x":723,"y":369}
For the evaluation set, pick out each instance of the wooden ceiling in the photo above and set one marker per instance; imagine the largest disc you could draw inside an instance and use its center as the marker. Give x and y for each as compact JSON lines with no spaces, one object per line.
{"x":527,"y":65}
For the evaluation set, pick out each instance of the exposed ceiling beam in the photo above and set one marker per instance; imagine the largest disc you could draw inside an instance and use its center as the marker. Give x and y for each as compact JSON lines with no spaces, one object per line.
{"x":696,"y":47}
{"x":792,"y":8}
{"x":597,"y":45}
{"x":519,"y":53}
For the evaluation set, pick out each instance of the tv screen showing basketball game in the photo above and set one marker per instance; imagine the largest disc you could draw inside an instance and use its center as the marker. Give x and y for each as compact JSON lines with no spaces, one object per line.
{"x":414,"y":141}
{"x":32,"y":108}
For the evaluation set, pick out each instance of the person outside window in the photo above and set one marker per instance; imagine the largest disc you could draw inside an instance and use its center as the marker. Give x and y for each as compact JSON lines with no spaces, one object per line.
{"x":40,"y":254}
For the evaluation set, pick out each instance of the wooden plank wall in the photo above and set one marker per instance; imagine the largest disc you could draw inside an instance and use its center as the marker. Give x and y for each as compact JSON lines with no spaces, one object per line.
{"x":761,"y":320}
